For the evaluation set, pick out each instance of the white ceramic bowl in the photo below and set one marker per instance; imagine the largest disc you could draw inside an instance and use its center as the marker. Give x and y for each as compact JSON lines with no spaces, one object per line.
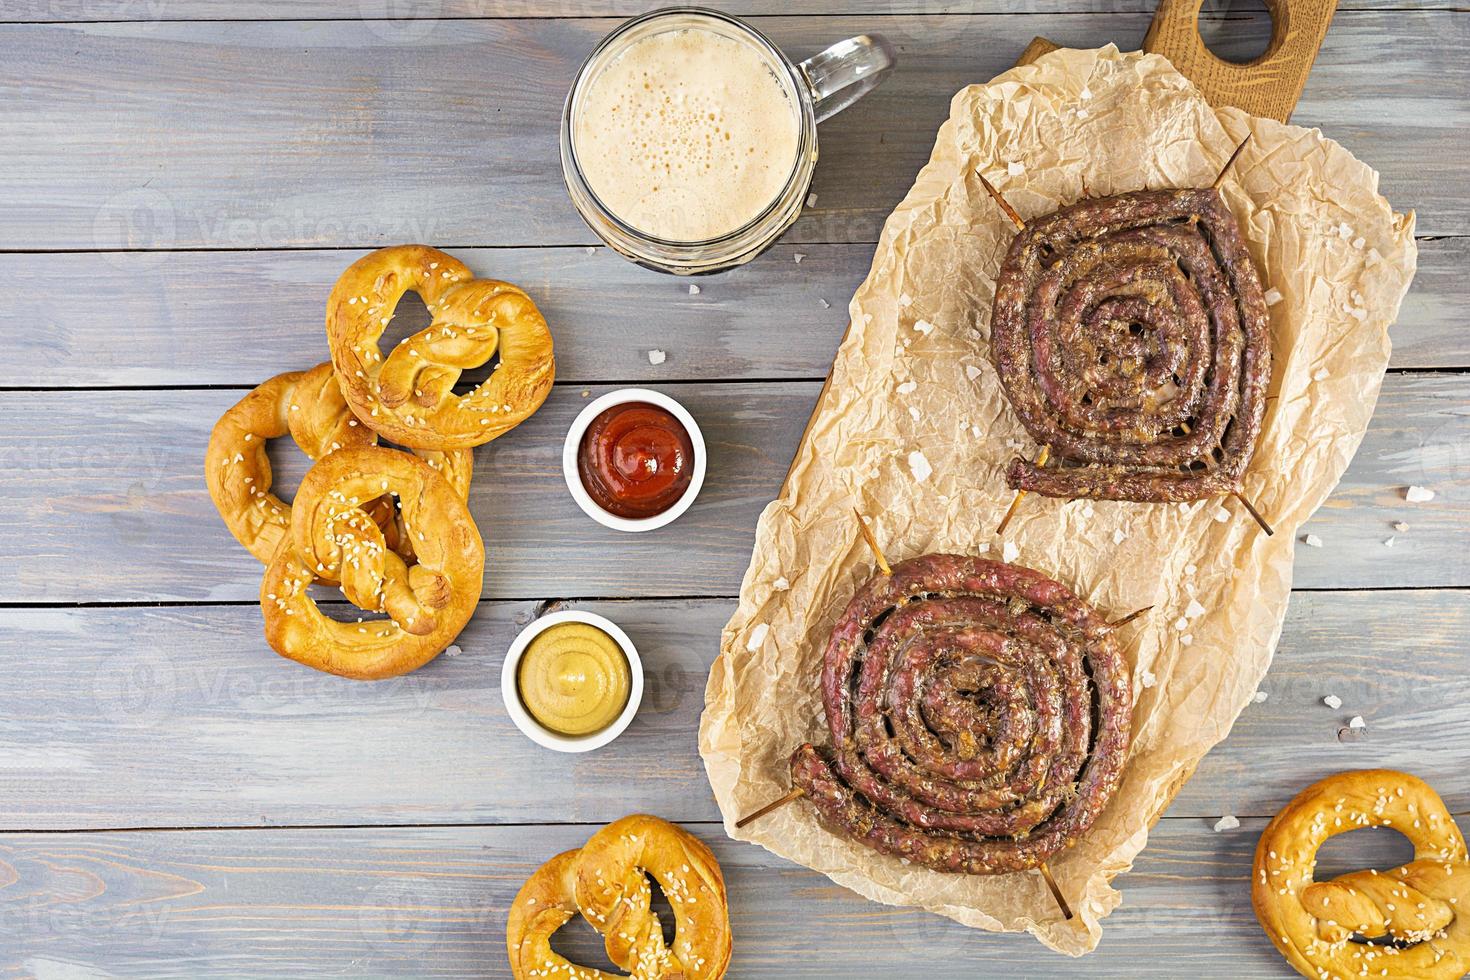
{"x":510,"y":690}
{"x":574,"y":442}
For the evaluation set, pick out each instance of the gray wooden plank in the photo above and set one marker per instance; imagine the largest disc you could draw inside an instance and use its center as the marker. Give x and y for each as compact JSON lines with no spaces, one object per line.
{"x":424,"y":901}
{"x":185,"y":717}
{"x":117,"y":510}
{"x":423,"y":18}
{"x":143,"y":717}
{"x":231,"y":318}
{"x":106,"y":502}
{"x":264,"y":135}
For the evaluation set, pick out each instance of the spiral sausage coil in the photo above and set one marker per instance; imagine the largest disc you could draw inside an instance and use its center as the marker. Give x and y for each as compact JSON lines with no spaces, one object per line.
{"x":978,"y":714}
{"x":1130,"y":335}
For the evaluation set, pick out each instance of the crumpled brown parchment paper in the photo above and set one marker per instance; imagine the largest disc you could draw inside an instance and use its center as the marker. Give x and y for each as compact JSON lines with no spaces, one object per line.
{"x":914,"y":430}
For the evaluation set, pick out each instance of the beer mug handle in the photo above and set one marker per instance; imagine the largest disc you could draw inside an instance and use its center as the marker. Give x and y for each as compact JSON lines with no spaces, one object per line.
{"x":846,"y":71}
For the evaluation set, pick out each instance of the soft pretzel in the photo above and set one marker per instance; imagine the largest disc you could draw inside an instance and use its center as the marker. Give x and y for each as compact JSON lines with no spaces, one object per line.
{"x":408,"y":396}
{"x":307,"y":405}
{"x":334,"y":539}
{"x":1423,"y":906}
{"x":607,"y":881}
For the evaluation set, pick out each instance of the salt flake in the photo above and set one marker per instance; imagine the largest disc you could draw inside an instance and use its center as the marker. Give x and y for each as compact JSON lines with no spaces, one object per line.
{"x":693,"y":289}
{"x":1400,"y":526}
{"x":1010,"y":552}
{"x":1356,"y":722}
{"x":657,"y":357}
{"x":825,"y":305}
{"x":453,"y":650}
{"x":1015,"y":168}
{"x":1227,"y":822}
{"x":1146,"y":678}
{"x":1311,"y":541}
{"x":972,"y":372}
{"x":907,"y":387}
{"x":924,"y":327}
{"x":1273,"y":296}
{"x":781,"y":585}
{"x":919,"y":464}
{"x":1320,"y":374}
{"x":1222,"y":515}
{"x":757,"y":637}
{"x":798,"y":257}
{"x":1259,"y":697}
{"x":811,"y":200}
{"x":1195,"y":610}
{"x":1332,"y":701}
{"x":1119,"y":535}
{"x":1418,"y":495}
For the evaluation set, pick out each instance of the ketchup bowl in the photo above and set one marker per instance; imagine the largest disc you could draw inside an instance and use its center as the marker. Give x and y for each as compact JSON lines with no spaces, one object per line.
{"x":637,"y":460}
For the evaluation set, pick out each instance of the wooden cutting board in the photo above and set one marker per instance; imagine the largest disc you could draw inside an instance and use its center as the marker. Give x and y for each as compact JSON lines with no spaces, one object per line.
{"x":1268,"y":86}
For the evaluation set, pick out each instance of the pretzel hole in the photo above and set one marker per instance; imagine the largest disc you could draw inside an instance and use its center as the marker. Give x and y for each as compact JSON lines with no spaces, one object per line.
{"x":579,"y":943}
{"x":1383,"y":848}
{"x":288,"y":465}
{"x":409,"y":317}
{"x":665,"y":912}
{"x":329,"y":600}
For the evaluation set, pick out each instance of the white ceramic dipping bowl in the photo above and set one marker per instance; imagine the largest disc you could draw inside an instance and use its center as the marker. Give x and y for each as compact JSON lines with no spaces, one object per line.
{"x":574,"y":442}
{"x":544,"y":737}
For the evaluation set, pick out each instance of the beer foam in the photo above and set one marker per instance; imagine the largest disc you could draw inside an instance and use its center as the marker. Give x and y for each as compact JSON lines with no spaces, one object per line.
{"x":686,"y":135}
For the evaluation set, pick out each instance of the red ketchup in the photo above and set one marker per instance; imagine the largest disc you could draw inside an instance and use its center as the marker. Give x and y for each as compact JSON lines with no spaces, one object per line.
{"x":636,"y":460}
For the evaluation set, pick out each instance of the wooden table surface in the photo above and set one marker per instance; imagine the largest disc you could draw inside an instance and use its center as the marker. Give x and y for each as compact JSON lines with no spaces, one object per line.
{"x":181,"y":181}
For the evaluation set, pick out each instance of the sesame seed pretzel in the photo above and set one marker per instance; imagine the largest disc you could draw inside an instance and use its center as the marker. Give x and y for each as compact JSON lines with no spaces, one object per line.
{"x":606,"y":881}
{"x":334,"y":539}
{"x":409,"y":396}
{"x":308,"y":406}
{"x":1319,"y":925}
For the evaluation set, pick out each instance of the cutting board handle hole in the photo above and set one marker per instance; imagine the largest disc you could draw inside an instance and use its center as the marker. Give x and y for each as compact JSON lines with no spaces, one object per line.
{"x":1240,"y":32}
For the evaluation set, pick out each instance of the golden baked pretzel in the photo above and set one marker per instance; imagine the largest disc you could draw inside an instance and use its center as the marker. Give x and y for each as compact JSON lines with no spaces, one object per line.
{"x":1423,"y":907}
{"x":408,"y":396}
{"x":334,"y":539}
{"x":306,"y":404}
{"x":607,"y":881}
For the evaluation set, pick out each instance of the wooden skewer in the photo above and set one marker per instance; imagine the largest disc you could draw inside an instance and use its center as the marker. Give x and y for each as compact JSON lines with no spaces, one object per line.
{"x":796,"y":794}
{"x":1129,"y":618}
{"x":1041,"y":459}
{"x":1056,"y":892}
{"x":1004,"y":204}
{"x":873,"y":544}
{"x":1219,"y":178}
{"x":1253,"y":512}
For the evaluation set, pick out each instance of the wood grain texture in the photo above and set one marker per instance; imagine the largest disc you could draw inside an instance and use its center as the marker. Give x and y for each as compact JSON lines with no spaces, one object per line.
{"x":139,"y":322}
{"x":106,"y":500}
{"x":233,"y":318}
{"x":343,"y":133}
{"x":423,"y":11}
{"x":169,"y":717}
{"x":1268,"y":85}
{"x":118,"y":510}
{"x":432,"y":902}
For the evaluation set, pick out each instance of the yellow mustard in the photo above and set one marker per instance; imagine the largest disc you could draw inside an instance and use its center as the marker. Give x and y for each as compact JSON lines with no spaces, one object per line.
{"x":574,"y":679}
